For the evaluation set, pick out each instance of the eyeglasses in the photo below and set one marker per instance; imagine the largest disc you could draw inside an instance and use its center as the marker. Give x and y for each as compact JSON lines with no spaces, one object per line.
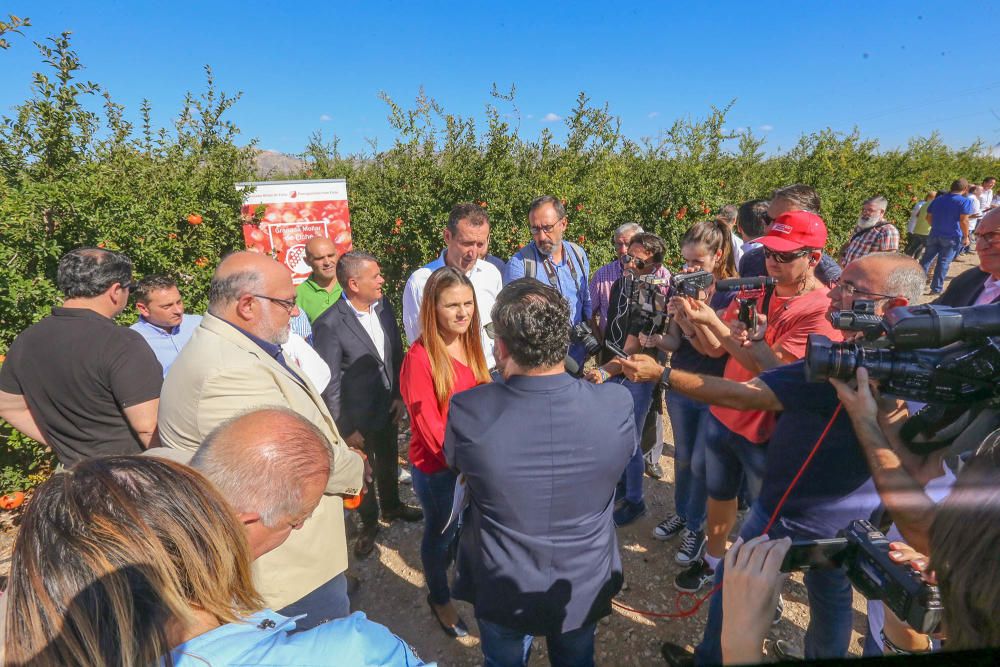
{"x":287,"y":304}
{"x":992,"y":238}
{"x":851,"y":290}
{"x":639,"y":264}
{"x":544,"y":229}
{"x":785,"y":257}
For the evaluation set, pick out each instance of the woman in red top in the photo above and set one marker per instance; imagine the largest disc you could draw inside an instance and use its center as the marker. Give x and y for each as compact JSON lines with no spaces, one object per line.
{"x":446,"y":359}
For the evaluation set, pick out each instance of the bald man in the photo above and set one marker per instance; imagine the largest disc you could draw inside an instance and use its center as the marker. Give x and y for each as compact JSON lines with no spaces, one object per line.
{"x":321,"y":289}
{"x":234,"y":362}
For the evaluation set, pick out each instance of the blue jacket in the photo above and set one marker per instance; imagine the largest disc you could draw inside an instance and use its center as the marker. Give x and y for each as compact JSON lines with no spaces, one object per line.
{"x":263,"y":639}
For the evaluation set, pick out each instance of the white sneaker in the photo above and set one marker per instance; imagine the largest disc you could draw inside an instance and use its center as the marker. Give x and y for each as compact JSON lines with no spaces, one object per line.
{"x":404,"y":476}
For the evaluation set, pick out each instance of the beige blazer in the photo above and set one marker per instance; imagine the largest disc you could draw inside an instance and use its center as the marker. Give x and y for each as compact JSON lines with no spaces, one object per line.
{"x":221,"y":373}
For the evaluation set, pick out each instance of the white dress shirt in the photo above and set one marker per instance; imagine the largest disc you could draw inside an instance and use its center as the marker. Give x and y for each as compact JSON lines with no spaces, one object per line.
{"x":370,"y":322}
{"x":486,"y":283}
{"x":991,"y":290}
{"x":312,"y":365}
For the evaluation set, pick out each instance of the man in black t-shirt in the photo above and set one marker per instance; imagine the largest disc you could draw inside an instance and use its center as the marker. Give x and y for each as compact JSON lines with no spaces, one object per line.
{"x":76,"y":381}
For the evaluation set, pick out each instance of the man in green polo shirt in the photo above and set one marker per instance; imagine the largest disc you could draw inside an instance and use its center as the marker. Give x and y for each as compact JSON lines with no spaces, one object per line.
{"x":320,"y":290}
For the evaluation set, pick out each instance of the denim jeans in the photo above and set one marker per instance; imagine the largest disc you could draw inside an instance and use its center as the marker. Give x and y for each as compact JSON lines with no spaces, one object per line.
{"x":830,"y":596}
{"x":504,"y":647}
{"x":435,"y":492}
{"x":945,"y":249}
{"x":687,"y":420}
{"x":642,"y":395}
{"x":731,"y":461}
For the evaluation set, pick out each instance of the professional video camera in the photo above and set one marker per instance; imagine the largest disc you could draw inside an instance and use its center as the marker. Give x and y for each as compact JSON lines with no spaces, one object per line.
{"x":934,"y":354}
{"x":691,"y":284}
{"x":749,"y":292}
{"x":863,"y":551}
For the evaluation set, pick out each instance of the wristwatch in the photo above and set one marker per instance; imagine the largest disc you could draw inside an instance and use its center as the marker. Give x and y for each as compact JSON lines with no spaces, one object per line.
{"x":665,"y":378}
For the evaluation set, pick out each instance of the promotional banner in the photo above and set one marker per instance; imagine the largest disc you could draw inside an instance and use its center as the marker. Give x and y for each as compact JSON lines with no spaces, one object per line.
{"x":280,"y":216}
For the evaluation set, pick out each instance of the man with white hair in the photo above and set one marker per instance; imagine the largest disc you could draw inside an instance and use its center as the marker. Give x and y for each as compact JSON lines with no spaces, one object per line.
{"x":873,"y":233}
{"x":234,"y":362}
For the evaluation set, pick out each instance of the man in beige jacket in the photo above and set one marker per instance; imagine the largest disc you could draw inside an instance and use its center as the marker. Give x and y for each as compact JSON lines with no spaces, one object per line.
{"x":233,"y":363}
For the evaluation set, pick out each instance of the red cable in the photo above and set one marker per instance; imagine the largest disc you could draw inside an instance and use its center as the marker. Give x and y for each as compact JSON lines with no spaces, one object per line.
{"x":684,"y":613}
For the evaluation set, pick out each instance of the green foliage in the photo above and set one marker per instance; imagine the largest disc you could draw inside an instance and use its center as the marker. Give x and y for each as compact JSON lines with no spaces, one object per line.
{"x":74,"y":172}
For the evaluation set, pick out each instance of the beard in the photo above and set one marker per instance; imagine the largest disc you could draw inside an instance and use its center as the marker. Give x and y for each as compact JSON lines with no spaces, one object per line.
{"x":272,"y":333}
{"x":867,"y":223}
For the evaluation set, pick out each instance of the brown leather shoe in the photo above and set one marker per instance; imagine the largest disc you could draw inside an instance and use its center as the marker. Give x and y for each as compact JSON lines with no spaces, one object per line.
{"x":407,"y":513}
{"x":366,"y":540}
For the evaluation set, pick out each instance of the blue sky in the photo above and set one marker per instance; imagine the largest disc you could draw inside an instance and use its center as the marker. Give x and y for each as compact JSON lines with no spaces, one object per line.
{"x":894,"y":69}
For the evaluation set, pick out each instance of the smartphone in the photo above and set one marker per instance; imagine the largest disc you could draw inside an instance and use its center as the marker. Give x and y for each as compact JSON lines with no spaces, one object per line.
{"x":615,"y":350}
{"x":815,"y":555}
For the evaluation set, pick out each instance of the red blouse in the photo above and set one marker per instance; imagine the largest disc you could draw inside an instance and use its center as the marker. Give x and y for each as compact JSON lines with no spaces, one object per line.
{"x":427,"y":422}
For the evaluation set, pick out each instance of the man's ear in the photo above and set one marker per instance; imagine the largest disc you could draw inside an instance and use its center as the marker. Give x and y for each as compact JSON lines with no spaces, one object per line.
{"x":447,"y":236}
{"x":815,"y":257}
{"x":896,"y":302}
{"x":142,"y":308}
{"x":248,"y":518}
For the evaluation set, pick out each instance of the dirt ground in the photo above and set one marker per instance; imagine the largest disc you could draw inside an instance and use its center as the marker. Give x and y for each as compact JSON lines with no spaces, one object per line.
{"x":390,"y":586}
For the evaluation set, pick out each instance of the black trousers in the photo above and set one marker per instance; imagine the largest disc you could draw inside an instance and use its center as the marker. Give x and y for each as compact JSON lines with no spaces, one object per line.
{"x":382,"y":448}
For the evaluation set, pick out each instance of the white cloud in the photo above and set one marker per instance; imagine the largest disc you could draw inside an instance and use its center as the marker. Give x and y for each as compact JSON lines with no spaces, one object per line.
{"x":325,"y":117}
{"x":551,"y":117}
{"x":530,"y":116}
{"x":652,"y":114}
{"x":766,"y":128}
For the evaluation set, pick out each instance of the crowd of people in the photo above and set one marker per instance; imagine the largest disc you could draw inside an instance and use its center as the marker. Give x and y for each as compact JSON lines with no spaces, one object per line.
{"x":198,"y":514}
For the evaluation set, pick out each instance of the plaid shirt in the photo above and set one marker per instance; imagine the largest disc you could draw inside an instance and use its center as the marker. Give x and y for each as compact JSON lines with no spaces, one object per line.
{"x":600,"y":288}
{"x":883,"y":237}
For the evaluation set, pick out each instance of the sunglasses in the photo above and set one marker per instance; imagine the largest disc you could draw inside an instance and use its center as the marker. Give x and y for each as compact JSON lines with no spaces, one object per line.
{"x":639,"y":264}
{"x":785,"y":257}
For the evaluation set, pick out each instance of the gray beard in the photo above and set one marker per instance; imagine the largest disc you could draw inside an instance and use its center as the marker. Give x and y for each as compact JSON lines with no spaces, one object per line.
{"x":867,"y":223}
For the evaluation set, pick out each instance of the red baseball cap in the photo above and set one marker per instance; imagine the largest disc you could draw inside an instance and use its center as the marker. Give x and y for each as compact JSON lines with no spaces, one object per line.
{"x":795,"y":230}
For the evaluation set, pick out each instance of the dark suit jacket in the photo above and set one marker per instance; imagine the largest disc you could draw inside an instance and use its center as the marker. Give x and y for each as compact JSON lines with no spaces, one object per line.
{"x":362,"y":385}
{"x":964,"y":289}
{"x":541,"y":456}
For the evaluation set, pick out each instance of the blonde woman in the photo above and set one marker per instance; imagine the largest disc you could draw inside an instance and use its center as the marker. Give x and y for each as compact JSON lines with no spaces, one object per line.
{"x":131,"y":560}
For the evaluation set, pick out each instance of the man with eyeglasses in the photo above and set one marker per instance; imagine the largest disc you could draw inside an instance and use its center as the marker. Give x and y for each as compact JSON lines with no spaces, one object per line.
{"x":556,"y":262}
{"x":836,"y":486}
{"x":76,"y":381}
{"x":234,"y":363}
{"x":980,"y":284}
{"x":359,"y":340}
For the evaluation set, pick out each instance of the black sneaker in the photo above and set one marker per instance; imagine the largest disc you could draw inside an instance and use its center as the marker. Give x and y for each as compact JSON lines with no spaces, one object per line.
{"x":692,"y":547}
{"x":676,"y":655}
{"x":669,"y":527}
{"x":692,"y":579}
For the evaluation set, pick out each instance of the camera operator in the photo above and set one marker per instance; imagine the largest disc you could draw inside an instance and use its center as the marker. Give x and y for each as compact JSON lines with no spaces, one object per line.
{"x":835,"y":488}
{"x":910,"y":485}
{"x":645,"y":257}
{"x":964,"y":541}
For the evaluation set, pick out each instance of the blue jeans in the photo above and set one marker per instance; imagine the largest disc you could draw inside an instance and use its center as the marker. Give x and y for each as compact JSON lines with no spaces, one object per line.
{"x":326,"y":603}
{"x":729,"y":458}
{"x":945,"y":249}
{"x":829,"y":631}
{"x":435,"y":492}
{"x":504,"y":647}
{"x":687,"y":420}
{"x":642,"y":395}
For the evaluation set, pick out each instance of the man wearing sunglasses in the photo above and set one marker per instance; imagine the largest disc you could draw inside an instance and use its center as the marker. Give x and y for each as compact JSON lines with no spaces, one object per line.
{"x":980,"y":284}
{"x":836,"y":486}
{"x":76,"y":381}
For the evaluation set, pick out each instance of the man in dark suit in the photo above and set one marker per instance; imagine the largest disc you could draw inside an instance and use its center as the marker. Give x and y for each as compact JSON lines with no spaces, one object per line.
{"x":541,"y":453}
{"x":359,"y":339}
{"x":981,"y":284}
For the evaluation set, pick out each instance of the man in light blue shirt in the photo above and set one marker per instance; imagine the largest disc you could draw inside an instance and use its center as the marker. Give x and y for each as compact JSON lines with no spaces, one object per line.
{"x":161,"y":318}
{"x":556,"y":262}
